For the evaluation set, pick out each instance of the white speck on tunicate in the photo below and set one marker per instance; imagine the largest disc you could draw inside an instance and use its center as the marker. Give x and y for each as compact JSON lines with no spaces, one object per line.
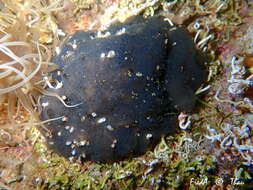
{"x":93,"y":114}
{"x":82,"y":143}
{"x":101,"y":120}
{"x":102,"y":55}
{"x":83,"y":118}
{"x":111,"y":54}
{"x":103,"y":35}
{"x":149,"y":136}
{"x":74,"y":45}
{"x":71,"y":129}
{"x":139,"y":74}
{"x":114,"y":143}
{"x":121,"y":31}
{"x":109,"y":127}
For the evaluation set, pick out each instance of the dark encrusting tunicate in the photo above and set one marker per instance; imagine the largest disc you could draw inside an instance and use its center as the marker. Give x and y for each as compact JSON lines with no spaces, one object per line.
{"x":124,"y":86}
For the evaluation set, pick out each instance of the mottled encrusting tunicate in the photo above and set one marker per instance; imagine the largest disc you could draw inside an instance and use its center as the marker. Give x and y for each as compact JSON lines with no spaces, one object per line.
{"x":121,"y":89}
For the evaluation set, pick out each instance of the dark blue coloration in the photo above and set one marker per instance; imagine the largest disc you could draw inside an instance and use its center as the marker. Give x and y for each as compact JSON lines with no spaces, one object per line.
{"x":131,"y":79}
